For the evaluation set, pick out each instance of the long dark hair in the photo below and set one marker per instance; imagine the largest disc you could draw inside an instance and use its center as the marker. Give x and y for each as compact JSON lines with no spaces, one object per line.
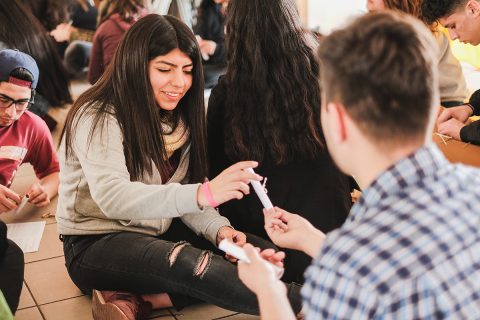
{"x":273,"y":100}
{"x":125,"y":91}
{"x":21,"y":30}
{"x":53,"y":12}
{"x":49,"y":12}
{"x":127,"y":9}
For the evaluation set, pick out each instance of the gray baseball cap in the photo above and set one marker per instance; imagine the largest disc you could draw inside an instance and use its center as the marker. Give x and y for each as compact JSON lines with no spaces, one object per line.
{"x":14,"y":59}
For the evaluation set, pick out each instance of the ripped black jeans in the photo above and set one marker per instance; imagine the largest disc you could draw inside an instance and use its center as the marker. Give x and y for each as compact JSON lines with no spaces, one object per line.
{"x":143,"y":264}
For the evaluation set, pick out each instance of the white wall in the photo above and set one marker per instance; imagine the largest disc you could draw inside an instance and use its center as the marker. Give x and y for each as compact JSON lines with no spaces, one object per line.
{"x":327,"y":15}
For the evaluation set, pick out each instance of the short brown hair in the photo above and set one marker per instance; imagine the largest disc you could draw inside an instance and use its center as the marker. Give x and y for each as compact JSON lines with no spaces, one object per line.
{"x":432,"y":10}
{"x":383,"y":69}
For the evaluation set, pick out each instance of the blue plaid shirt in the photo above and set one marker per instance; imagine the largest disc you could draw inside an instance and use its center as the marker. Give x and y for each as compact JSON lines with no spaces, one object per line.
{"x":410,"y":248}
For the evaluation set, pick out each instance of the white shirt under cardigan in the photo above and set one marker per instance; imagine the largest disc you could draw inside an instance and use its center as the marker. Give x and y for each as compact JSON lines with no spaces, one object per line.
{"x":96,"y":195}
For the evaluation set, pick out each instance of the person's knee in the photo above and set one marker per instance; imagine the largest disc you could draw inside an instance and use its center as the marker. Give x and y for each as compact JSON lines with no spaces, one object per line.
{"x":191,"y":257}
{"x":175,"y":251}
{"x":14,"y":254}
{"x":202,"y":264}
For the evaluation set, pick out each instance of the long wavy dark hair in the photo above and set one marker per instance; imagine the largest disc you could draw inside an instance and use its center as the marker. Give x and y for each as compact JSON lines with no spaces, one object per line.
{"x":19,"y":29}
{"x":273,"y":100}
{"x":53,"y":12}
{"x":125,"y":91}
{"x":412,"y":7}
{"x":127,"y":9}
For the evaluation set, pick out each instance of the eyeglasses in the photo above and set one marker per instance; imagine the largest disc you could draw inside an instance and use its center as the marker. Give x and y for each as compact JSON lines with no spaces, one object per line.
{"x":20,"y":104}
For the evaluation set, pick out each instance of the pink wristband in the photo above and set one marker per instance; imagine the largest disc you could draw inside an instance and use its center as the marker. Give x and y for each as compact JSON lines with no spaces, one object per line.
{"x":208,"y":194}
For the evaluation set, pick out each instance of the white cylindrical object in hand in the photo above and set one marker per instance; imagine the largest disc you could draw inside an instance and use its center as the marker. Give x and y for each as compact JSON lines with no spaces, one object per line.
{"x":21,"y":205}
{"x":237,"y":252}
{"x":262,"y":195}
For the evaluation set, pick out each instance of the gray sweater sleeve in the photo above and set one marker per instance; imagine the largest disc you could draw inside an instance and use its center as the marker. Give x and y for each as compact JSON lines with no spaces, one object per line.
{"x":103,"y":164}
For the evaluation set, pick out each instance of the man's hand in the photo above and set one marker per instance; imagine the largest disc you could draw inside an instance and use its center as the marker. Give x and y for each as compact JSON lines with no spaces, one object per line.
{"x":451,"y":128}
{"x":460,"y":113}
{"x":237,"y":237}
{"x":37,"y":195}
{"x":258,"y":275}
{"x":275,"y":257}
{"x":292,"y":231}
{"x":9,"y":200}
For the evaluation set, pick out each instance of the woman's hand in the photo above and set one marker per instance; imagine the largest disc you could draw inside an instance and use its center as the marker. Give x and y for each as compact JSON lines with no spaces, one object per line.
{"x":237,"y":237}
{"x":231,"y":183}
{"x":258,"y":275}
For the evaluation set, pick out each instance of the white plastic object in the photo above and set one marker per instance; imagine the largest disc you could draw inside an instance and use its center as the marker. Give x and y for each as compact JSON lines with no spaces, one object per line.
{"x":21,"y":205}
{"x":260,"y":191}
{"x":237,"y":252}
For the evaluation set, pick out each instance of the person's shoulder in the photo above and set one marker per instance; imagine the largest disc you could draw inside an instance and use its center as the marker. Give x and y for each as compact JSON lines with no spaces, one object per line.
{"x":219,"y":91}
{"x":467,"y":177}
{"x":29,"y":120}
{"x":218,"y":95}
{"x":105,"y":26}
{"x":453,"y":182}
{"x":359,"y":249}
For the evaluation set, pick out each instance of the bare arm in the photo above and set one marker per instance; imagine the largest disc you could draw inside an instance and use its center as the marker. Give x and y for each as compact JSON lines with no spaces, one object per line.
{"x":271,"y":292}
{"x":274,"y":304}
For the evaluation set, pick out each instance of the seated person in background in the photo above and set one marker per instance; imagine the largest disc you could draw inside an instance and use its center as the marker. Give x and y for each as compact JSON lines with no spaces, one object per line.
{"x":115,"y":17}
{"x":453,"y":88}
{"x":23,"y":31}
{"x":133,"y":212}
{"x":78,"y":33}
{"x":410,"y":248}
{"x":271,"y":113}
{"x":210,"y":31}
{"x":24,"y":137}
{"x":462,"y":19}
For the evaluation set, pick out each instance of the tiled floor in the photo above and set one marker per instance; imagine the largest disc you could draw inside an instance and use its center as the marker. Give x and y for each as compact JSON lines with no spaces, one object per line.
{"x":48,"y":293}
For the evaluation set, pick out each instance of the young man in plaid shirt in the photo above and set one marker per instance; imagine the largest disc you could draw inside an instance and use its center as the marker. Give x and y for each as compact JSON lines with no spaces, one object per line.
{"x":410,"y":248}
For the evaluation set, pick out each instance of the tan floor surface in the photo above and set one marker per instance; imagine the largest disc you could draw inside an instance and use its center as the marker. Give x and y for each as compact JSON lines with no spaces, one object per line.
{"x":48,"y":293}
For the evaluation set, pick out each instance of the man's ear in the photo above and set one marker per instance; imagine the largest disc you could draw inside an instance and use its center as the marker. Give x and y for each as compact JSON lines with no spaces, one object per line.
{"x":337,"y":116}
{"x":473,"y":8}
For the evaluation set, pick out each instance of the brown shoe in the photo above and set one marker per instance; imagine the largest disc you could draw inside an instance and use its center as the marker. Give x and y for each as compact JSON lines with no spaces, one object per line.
{"x":116,"y":305}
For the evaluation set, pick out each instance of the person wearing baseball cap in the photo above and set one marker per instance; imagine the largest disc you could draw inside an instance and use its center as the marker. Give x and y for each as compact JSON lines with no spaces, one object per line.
{"x":24,"y":137}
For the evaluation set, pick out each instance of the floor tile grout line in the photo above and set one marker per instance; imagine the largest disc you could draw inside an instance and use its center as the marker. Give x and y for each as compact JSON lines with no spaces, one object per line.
{"x":31,"y":295}
{"x":172,"y":313}
{"x":61,"y":300}
{"x":225,"y":317}
{"x":34,"y":300}
{"x":44,"y":259}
